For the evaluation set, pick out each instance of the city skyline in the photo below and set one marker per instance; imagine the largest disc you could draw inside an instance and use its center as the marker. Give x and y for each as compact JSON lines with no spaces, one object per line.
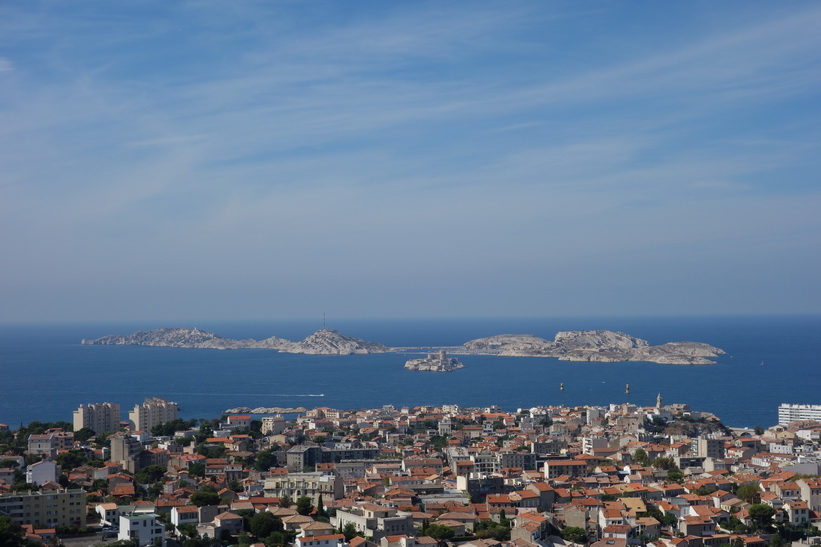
{"x":273,"y":160}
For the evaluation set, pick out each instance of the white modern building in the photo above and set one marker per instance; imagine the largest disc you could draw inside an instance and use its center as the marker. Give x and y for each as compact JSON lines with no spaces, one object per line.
{"x":99,"y":417}
{"x":788,"y":413}
{"x":142,"y":528}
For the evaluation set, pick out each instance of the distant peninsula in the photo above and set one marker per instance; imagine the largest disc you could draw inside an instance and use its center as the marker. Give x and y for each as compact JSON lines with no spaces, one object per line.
{"x":592,"y":345}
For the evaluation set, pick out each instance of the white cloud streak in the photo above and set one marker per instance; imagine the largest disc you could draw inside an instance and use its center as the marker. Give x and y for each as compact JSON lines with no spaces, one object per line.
{"x":380,"y":144}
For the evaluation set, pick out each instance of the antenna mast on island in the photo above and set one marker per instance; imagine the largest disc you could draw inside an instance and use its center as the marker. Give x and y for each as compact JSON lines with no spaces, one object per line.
{"x":323,"y":321}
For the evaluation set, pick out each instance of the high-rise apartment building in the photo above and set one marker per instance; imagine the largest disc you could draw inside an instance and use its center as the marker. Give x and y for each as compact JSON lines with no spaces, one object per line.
{"x":795,"y":413}
{"x":152,"y":412}
{"x":99,"y":417}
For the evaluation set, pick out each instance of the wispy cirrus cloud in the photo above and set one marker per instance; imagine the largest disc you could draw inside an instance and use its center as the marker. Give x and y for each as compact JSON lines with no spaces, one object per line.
{"x":263,"y":141}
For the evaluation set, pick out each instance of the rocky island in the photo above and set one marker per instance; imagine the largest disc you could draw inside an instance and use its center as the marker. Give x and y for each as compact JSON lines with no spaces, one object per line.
{"x":434,"y":362}
{"x":594,"y":345}
{"x":322,"y":342}
{"x":590,"y":345}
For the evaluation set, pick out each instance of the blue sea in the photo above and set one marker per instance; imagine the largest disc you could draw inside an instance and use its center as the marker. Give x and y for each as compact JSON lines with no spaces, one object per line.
{"x":45,"y":373}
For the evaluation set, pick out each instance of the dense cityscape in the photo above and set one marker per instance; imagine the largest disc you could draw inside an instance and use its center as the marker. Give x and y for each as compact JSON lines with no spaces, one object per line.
{"x":528,"y":218}
{"x":663,"y":475}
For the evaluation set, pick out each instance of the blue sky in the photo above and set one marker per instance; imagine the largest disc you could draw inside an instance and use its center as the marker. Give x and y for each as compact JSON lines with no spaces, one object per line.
{"x":245,"y":160}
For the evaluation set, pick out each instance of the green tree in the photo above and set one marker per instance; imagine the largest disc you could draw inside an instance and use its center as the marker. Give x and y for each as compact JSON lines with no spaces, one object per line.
{"x":640,"y":457}
{"x":188,"y":530}
{"x":667,"y":463}
{"x":503,"y":519}
{"x":320,"y":508}
{"x":574,"y":534}
{"x":304,"y":505}
{"x":438,"y":442}
{"x":150,"y":474}
{"x":350,"y":531}
{"x":70,"y":459}
{"x":439,"y":532}
{"x":761,"y":515}
{"x":275,"y":539}
{"x":11,"y":534}
{"x":285,"y":501}
{"x":167,"y":429}
{"x":749,"y":493}
{"x":205,"y":497}
{"x":197,"y":469}
{"x":264,"y":460}
{"x":489,"y":529}
{"x":84,"y":434}
{"x":263,"y":524}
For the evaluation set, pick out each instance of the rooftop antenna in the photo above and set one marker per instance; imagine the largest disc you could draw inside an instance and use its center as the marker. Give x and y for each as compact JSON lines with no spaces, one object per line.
{"x":323,"y":320}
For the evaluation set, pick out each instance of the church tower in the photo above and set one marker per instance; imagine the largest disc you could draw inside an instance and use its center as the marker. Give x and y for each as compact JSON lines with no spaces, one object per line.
{"x":658,"y":401}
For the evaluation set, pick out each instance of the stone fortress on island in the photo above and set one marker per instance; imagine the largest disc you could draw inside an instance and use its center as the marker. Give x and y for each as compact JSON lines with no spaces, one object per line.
{"x":434,"y":362}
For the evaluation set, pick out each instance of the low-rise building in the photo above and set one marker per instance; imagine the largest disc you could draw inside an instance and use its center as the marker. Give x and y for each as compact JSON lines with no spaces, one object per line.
{"x":109,"y":513}
{"x":375,"y":521}
{"x":46,"y":509}
{"x":141,"y":528}
{"x":42,"y":445}
{"x":41,"y":472}
{"x":313,"y":485}
{"x":571,"y":468}
{"x":187,"y":514}
{"x":332,"y":540}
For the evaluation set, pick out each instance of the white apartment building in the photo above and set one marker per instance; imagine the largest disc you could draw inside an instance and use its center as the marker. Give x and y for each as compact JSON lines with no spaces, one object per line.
{"x":788,"y":413}
{"x":99,"y":417}
{"x":153,"y":411}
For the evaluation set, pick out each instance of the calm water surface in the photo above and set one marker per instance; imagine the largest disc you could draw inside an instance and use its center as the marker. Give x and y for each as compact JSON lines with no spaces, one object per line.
{"x":45,"y":373}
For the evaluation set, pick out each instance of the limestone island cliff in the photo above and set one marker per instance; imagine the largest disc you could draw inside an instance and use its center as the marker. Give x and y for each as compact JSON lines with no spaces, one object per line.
{"x":435,"y":362}
{"x":594,"y":345}
{"x":322,"y":342}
